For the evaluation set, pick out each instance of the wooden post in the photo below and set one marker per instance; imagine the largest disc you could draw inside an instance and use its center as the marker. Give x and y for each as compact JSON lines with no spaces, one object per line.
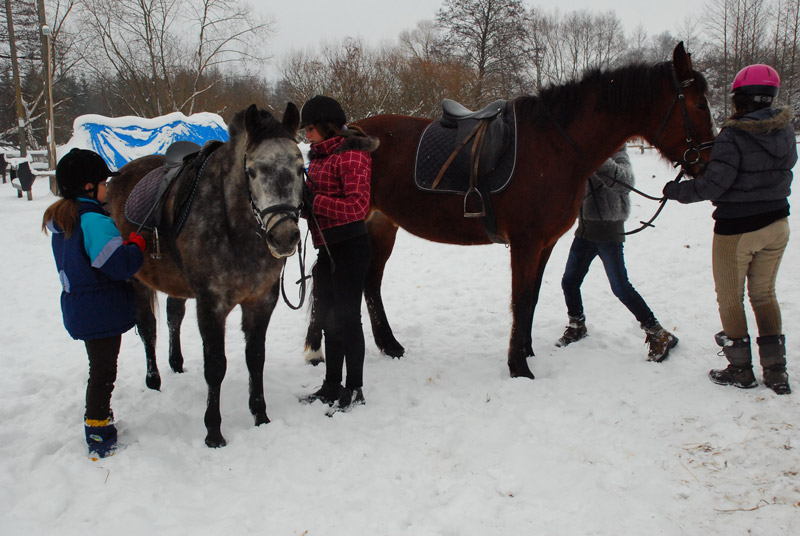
{"x":23,"y":140}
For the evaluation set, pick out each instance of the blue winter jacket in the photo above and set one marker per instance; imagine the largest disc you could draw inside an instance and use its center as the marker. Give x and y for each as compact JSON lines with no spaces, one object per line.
{"x":97,"y":298}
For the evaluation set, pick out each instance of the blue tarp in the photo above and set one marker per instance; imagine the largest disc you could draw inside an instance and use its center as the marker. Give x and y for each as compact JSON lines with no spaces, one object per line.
{"x":122,"y":139}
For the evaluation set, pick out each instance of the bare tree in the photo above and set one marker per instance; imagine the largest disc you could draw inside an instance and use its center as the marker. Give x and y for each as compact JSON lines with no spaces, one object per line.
{"x":737,"y":30}
{"x":159,"y":56}
{"x":491,"y":37}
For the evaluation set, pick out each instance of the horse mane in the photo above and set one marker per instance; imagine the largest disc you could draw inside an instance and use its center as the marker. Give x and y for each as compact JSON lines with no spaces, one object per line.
{"x":267,"y":128}
{"x":626,"y":89}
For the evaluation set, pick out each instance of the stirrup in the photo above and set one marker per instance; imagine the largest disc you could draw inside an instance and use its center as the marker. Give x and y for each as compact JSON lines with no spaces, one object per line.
{"x":482,"y":212}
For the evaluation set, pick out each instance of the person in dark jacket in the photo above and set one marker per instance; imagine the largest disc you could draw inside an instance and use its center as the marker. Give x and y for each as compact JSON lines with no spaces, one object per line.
{"x":748,"y":180}
{"x":338,"y":190}
{"x":97,"y":298}
{"x":600,"y":233}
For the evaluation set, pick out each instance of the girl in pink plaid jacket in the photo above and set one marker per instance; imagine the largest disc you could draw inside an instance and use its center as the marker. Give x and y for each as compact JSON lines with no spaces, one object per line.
{"x":338,"y":189}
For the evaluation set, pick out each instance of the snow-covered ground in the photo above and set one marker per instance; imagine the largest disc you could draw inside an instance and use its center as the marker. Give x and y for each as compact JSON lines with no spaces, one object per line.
{"x":601,"y":443}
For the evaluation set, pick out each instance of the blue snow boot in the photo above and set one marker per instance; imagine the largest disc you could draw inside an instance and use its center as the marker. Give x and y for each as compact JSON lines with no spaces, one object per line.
{"x":101,"y":436}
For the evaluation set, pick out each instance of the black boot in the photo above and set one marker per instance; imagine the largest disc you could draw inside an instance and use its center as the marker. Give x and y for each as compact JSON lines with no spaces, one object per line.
{"x":740,"y":371}
{"x":328,"y":393}
{"x":772,"y":351}
{"x":576,"y":330}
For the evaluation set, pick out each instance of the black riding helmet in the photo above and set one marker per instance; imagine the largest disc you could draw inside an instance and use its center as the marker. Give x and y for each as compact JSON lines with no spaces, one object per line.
{"x":78,"y":168}
{"x":321,"y":108}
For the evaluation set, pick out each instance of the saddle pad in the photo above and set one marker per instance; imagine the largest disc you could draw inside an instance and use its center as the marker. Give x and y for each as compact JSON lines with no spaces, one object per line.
{"x":438,"y":143}
{"x":140,"y":203}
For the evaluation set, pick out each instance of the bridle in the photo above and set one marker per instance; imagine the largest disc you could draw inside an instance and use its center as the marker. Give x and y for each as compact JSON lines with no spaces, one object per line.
{"x":283,"y":212}
{"x":691,"y":156}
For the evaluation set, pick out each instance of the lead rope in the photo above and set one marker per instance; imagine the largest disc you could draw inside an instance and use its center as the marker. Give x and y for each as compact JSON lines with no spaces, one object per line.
{"x":301,"y":256}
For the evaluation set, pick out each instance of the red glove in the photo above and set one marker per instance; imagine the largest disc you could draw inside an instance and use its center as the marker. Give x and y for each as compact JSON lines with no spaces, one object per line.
{"x":136,"y":238}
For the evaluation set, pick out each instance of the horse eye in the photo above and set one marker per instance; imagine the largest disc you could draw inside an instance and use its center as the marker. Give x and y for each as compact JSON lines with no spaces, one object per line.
{"x":251,"y":173}
{"x":702,"y":106}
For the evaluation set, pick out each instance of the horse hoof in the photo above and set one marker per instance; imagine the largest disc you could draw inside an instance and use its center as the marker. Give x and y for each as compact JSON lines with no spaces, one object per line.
{"x":176,"y":367}
{"x":520,"y":370}
{"x":216,"y":441}
{"x":153,"y":381}
{"x":314,"y":356}
{"x":394,"y":350}
{"x":262,"y":419}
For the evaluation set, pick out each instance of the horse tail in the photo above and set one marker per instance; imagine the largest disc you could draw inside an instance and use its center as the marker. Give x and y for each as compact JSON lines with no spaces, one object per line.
{"x":313,"y":343}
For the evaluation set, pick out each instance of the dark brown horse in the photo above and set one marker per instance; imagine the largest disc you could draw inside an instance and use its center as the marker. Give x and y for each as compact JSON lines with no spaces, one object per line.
{"x":563,"y":135}
{"x":235,"y":237}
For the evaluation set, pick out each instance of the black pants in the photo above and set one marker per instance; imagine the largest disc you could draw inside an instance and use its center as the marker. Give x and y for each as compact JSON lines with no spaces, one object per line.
{"x":339,"y":286}
{"x":103,"y":355}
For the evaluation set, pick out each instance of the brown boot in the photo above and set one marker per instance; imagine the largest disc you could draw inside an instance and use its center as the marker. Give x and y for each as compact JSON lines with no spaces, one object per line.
{"x":739,"y":372}
{"x":659,"y":341}
{"x":576,"y":330}
{"x":772,"y":351}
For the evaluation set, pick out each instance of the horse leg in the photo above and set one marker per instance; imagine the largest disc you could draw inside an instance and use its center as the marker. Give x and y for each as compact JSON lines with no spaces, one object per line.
{"x":537,"y":285}
{"x":525,"y":271}
{"x":383,"y":234}
{"x":255,"y":319}
{"x":146,"y":326}
{"x":313,"y":346}
{"x":176,"y":310}
{"x":211,"y":322}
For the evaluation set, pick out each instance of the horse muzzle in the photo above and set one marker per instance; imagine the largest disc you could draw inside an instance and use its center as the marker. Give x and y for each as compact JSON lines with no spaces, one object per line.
{"x":282,"y":238}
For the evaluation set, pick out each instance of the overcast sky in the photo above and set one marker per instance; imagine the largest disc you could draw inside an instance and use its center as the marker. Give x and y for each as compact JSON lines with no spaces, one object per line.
{"x":307,"y":23}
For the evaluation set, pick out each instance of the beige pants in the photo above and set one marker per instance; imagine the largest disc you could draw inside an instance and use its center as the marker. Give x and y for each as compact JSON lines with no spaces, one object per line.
{"x":754,"y":257}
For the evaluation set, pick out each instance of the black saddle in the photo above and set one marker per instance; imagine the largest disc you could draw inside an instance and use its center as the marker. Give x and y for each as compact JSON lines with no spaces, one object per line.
{"x":453,"y":112}
{"x":145,"y":203}
{"x":469,"y":153}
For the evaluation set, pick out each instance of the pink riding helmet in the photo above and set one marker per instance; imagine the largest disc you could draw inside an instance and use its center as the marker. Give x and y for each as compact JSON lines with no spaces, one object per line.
{"x":758,"y":79}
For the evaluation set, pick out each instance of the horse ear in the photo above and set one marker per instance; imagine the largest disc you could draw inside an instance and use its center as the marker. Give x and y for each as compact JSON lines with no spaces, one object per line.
{"x":682,"y":61}
{"x":251,"y":117}
{"x":291,"y":118}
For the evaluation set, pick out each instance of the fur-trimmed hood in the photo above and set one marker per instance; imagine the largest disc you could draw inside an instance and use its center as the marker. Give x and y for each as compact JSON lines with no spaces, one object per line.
{"x":350,"y":140}
{"x":764,"y":120}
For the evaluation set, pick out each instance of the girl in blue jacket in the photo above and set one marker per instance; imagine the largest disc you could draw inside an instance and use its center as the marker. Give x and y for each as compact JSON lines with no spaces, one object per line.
{"x":95,"y":267}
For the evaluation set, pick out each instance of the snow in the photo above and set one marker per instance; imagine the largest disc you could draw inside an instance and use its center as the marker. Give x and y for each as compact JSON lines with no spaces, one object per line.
{"x":602,"y":442}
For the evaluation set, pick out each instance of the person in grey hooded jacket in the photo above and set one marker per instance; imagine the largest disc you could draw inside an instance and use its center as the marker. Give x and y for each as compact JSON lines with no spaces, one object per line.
{"x":600,"y":233}
{"x":748,"y":180}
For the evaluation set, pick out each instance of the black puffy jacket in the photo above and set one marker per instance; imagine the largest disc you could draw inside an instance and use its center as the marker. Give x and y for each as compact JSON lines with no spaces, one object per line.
{"x":750,"y":171}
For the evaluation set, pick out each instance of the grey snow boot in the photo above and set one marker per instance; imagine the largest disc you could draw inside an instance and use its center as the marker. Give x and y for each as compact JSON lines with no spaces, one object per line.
{"x":576,"y":330}
{"x":739,"y":372}
{"x":772,"y":351}
{"x":659,"y":341}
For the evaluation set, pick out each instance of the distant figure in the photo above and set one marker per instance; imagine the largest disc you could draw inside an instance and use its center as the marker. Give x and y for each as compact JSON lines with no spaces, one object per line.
{"x":97,"y":298}
{"x":600,"y":233}
{"x":748,"y":180}
{"x":338,"y":190}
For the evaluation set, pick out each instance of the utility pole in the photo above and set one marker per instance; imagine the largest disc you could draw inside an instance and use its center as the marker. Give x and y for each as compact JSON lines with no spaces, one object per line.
{"x":23,"y":140}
